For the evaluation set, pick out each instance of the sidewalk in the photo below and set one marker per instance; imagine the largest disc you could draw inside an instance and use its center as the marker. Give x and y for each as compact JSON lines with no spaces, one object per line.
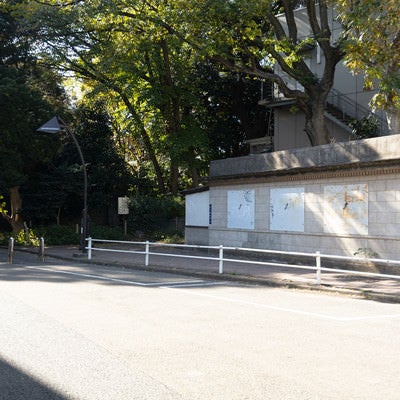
{"x":380,"y":289}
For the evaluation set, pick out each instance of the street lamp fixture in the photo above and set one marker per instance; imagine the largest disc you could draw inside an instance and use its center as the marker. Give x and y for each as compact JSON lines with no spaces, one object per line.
{"x":56,"y":125}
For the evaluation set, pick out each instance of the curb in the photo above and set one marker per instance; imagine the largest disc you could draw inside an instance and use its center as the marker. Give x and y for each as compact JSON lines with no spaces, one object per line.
{"x":324,"y":288}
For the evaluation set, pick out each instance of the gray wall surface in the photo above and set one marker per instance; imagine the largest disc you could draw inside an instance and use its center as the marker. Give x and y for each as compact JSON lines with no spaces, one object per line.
{"x":347,"y":194}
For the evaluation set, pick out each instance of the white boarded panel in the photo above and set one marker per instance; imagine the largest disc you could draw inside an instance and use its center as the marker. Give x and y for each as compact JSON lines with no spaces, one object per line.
{"x":287,"y":209}
{"x":241,"y":209}
{"x":197,"y":209}
{"x":346,"y":209}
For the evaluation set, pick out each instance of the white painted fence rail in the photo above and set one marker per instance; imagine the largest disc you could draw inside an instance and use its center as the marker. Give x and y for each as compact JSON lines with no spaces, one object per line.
{"x":317,"y":267}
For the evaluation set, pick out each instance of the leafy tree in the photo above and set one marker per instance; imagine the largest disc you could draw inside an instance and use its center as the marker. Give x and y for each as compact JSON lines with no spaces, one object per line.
{"x":52,"y":193}
{"x":55,"y":191}
{"x":372,"y":29}
{"x":230,"y":113}
{"x":126,"y":59}
{"x":24,"y":106}
{"x":251,"y":36}
{"x":108,"y":177}
{"x":147,"y":76}
{"x":22,"y":110}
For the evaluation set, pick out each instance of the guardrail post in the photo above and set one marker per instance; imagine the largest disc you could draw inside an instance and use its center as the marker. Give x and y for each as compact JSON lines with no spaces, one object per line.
{"x":41,"y":249}
{"x":89,"y":254}
{"x":10,"y":250}
{"x":221,"y":259}
{"x":147,"y":257}
{"x":318,"y":264}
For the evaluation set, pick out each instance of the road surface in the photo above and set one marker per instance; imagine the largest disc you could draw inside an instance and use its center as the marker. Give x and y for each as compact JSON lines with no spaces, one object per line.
{"x":75,"y":331}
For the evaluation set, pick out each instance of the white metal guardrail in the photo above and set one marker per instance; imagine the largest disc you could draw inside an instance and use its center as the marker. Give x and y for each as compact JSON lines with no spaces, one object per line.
{"x":220,"y":259}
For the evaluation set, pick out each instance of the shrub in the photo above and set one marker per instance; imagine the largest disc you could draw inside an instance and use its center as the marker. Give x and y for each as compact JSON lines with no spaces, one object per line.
{"x":153,"y":214}
{"x":107,"y":232}
{"x":4,"y":237}
{"x":59,"y":234}
{"x":27,"y":238}
{"x":365,"y":128}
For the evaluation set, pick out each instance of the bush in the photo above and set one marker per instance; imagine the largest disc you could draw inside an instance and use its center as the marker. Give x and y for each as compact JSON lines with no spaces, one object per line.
{"x":153,"y":214}
{"x":365,"y":128}
{"x":27,"y":238}
{"x":173,"y":238}
{"x":4,"y":237}
{"x":59,"y":234}
{"x":107,"y":232}
{"x":66,"y":234}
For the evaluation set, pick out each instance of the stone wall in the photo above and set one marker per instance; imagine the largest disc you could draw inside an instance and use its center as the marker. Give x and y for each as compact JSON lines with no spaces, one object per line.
{"x":196,"y":235}
{"x":351,"y":154}
{"x":337,"y":199}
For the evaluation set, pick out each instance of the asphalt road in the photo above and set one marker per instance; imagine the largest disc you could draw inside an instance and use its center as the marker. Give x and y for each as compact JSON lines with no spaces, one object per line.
{"x":91,"y":332}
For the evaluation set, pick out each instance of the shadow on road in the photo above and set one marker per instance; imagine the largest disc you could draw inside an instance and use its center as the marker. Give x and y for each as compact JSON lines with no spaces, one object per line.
{"x":16,"y":384}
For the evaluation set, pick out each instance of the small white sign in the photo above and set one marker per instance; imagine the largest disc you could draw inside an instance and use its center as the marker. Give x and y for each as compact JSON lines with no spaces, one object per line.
{"x":123,"y":205}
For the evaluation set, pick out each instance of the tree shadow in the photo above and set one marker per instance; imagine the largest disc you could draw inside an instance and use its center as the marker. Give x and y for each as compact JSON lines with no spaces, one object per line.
{"x":16,"y":384}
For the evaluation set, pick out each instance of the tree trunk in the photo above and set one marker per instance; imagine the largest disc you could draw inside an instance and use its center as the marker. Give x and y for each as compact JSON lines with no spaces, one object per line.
{"x":14,"y":218}
{"x":393,"y":120}
{"x":321,"y":133}
{"x":174,"y":178}
{"x":146,"y":140}
{"x":195,"y":177}
{"x":315,"y":125}
{"x":171,"y":111}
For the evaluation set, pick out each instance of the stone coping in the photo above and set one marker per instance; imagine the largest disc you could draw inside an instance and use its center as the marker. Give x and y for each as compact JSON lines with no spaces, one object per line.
{"x":380,"y":150}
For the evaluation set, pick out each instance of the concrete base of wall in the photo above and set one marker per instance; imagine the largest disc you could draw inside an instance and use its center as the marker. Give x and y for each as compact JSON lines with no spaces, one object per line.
{"x":363,"y":247}
{"x":196,"y":235}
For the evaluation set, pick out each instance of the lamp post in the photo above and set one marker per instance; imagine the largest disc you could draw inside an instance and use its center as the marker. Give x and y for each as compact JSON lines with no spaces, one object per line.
{"x":56,"y":125}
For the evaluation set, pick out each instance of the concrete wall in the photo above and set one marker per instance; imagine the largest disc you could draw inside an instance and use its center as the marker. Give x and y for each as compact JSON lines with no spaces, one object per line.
{"x":383,"y":219}
{"x":335,"y":155}
{"x":197,"y":209}
{"x":350,"y":198}
{"x":196,"y":235}
{"x":197,"y":216}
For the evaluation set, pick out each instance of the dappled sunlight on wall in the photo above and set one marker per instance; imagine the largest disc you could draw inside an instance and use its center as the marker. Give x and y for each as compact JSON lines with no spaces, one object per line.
{"x":346,"y":209}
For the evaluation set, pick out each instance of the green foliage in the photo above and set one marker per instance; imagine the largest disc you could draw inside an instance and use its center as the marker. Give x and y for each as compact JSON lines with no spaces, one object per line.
{"x":27,"y":237}
{"x":267,"y":39}
{"x":27,"y":94}
{"x":153,"y":214}
{"x":364,"y":128}
{"x":54,"y":192}
{"x":230,"y":113}
{"x":58,"y":234}
{"x":107,"y":170}
{"x":22,"y":110}
{"x":366,"y":252}
{"x":4,"y":237}
{"x":372,"y":32}
{"x":166,"y":237}
{"x":107,"y":232}
{"x":2,"y":205}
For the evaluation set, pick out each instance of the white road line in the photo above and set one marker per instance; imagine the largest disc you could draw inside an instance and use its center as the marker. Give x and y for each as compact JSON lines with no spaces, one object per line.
{"x":188,"y":284}
{"x":103,"y":278}
{"x":283,"y":309}
{"x":88,"y":276}
{"x":220,"y":298}
{"x":177,"y":283}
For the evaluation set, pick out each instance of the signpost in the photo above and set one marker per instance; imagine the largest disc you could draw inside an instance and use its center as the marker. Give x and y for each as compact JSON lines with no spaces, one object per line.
{"x":123,"y":209}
